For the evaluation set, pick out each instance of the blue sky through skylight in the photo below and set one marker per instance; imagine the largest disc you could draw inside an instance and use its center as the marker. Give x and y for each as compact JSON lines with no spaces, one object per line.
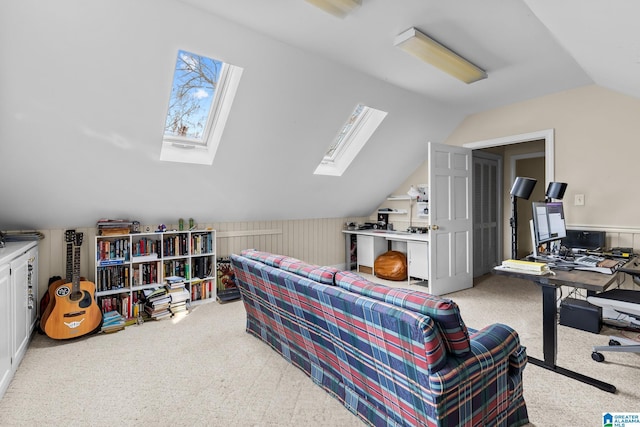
{"x":194,"y":84}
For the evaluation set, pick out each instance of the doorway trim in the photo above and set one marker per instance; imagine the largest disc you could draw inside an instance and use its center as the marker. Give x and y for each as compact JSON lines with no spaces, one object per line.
{"x":547,"y":135}
{"x":549,"y":164}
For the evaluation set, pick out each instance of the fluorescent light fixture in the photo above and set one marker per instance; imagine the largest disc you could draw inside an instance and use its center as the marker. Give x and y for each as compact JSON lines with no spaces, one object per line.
{"x":422,"y":46}
{"x":339,"y":8}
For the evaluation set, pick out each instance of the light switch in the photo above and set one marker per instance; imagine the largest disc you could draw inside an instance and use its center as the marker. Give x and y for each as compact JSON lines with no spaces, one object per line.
{"x":579,"y":200}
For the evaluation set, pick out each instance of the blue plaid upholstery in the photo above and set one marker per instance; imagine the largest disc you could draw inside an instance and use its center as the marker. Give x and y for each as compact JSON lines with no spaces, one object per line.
{"x":320,"y":274}
{"x":444,"y":311}
{"x":386,"y":363}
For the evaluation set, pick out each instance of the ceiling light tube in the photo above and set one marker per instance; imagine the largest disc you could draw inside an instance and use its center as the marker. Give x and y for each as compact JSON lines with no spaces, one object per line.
{"x":339,"y":8}
{"x":422,"y":46}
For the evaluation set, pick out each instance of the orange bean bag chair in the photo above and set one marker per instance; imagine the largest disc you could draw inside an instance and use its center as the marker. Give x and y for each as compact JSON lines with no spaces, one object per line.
{"x":391,"y":265}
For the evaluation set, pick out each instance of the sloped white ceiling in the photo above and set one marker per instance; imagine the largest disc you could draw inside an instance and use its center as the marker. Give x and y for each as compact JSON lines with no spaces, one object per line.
{"x":84,"y":88}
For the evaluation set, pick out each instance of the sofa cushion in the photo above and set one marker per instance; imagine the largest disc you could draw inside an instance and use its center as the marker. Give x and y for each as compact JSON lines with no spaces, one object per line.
{"x":264,"y":257}
{"x":324,"y":275}
{"x":444,"y":312}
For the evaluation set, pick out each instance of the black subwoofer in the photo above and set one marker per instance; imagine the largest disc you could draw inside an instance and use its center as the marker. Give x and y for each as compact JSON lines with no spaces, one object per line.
{"x":579,"y":314}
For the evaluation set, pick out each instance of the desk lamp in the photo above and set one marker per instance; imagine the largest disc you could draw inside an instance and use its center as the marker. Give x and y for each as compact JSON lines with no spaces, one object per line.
{"x":555,"y":190}
{"x":413,"y":193}
{"x":522,"y":187}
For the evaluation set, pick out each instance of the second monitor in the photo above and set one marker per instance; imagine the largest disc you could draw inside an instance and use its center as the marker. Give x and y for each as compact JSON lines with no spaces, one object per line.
{"x":548,"y":225}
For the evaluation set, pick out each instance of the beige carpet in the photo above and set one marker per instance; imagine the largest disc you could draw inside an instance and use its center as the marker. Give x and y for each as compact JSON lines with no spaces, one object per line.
{"x":207,"y":371}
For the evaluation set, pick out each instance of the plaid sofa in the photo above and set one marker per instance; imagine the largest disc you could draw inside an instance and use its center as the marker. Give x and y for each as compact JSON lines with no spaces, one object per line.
{"x":393,"y":357}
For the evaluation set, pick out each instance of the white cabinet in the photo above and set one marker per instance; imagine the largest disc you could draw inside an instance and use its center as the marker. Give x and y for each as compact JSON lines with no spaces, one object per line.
{"x":5,"y":329}
{"x":18,"y":296}
{"x":418,"y":260}
{"x":23,"y":287}
{"x":369,"y":248}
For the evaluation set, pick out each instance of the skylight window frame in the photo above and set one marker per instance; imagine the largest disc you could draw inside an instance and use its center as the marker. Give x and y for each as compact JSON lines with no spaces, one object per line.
{"x":344,"y":137}
{"x":212,"y":117}
{"x":191,"y":150}
{"x":353,"y":140}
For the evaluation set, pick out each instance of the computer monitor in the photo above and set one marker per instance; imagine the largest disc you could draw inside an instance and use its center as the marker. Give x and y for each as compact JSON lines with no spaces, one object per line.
{"x":548,"y":223}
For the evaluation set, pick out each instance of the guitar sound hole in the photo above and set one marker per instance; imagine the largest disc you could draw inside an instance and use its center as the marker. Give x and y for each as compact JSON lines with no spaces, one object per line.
{"x":86,"y":301}
{"x":75,"y":296}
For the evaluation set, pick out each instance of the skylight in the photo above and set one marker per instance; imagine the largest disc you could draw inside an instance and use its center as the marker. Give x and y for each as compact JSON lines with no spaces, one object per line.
{"x":353,"y":135}
{"x":201,"y":98}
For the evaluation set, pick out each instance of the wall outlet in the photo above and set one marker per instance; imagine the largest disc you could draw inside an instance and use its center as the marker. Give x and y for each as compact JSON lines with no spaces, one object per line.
{"x":578,"y":200}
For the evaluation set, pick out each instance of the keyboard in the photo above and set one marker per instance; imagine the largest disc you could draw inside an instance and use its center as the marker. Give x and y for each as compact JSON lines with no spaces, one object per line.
{"x":589,"y":260}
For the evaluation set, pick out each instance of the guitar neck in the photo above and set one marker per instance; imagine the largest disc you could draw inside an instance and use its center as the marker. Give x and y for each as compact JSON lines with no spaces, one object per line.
{"x":76,"y":270}
{"x":69,"y":270}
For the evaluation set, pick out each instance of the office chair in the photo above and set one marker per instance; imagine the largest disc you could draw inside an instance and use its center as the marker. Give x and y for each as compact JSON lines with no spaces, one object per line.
{"x":623,"y":301}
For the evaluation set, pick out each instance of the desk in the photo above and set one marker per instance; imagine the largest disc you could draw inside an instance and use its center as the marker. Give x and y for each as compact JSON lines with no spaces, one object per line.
{"x":417,"y":249}
{"x":592,"y":282}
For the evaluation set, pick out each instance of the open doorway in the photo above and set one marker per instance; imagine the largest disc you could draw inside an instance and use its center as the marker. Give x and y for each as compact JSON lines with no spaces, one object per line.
{"x":520,"y":155}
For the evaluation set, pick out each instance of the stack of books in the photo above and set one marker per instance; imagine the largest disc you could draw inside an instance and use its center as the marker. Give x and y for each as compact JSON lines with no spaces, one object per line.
{"x":112,"y":321}
{"x":113,"y":227}
{"x":179,"y":304}
{"x":528,"y":267}
{"x":157,"y":303}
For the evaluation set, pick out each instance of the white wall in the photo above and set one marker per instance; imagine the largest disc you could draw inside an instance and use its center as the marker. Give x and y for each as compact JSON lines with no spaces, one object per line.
{"x":85,"y":87}
{"x":316,"y":241}
{"x":596,"y":153}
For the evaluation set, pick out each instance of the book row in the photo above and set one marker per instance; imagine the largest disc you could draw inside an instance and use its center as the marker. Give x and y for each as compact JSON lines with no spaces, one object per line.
{"x":112,"y":250}
{"x":129,"y":306}
{"x":119,"y":276}
{"x":202,"y":243}
{"x":175,"y":245}
{"x":202,"y":290}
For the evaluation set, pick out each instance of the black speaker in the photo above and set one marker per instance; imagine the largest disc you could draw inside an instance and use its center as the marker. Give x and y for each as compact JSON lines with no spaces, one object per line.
{"x":579,"y":314}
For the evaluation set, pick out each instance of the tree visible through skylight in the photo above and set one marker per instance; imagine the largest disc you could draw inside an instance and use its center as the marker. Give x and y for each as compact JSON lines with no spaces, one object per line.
{"x":195,"y":81}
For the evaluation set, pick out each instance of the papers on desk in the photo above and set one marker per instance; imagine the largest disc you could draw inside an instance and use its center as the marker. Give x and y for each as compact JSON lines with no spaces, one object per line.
{"x":527,"y":267}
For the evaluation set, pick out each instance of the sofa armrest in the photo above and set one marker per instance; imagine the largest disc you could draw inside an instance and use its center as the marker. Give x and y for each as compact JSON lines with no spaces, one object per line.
{"x":491,"y":347}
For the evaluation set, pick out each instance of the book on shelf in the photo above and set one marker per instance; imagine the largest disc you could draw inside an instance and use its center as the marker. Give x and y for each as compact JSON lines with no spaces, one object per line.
{"x":111,"y":329}
{"x":159,"y":302}
{"x":112,"y":321}
{"x":152,"y":292}
{"x":158,"y":313}
{"x":112,"y":227}
{"x":176,"y":297}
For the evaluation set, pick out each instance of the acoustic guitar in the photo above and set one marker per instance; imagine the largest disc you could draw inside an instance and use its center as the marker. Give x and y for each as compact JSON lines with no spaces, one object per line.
{"x":74,"y":311}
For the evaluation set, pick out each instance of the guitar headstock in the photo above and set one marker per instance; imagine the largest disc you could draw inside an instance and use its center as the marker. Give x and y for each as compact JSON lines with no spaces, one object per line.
{"x":69,"y":236}
{"x":78,"y":239}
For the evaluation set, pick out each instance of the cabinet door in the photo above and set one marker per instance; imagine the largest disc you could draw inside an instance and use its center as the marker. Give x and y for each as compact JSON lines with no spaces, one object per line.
{"x":418,"y":260}
{"x":370,"y":248}
{"x":5,"y":329}
{"x":365,"y":251}
{"x":20,"y":302}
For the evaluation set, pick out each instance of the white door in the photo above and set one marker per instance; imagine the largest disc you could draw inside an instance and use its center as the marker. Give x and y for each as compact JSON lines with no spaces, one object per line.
{"x":451,"y":233}
{"x":487,"y":204}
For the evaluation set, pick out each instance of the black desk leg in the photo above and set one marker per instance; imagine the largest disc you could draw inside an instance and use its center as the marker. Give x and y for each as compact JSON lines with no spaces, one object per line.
{"x":549,"y":325}
{"x":550,"y":342}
